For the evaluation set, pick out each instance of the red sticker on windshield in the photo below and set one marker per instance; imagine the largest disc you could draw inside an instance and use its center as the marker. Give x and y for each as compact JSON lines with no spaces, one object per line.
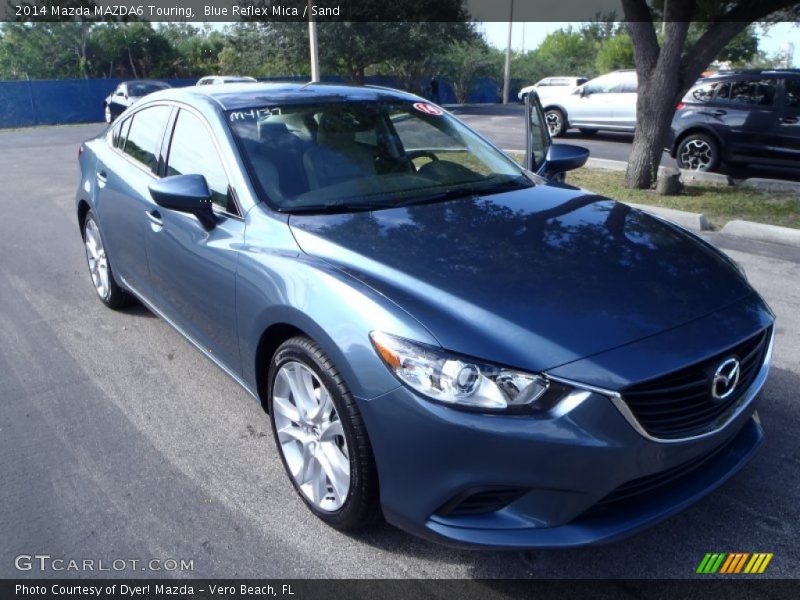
{"x":428,"y":109}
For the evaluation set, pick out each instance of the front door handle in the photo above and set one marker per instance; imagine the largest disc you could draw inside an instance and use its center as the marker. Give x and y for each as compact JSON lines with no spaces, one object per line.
{"x":102,"y":178}
{"x":788,"y":120}
{"x":719,"y":113}
{"x":155,"y":219}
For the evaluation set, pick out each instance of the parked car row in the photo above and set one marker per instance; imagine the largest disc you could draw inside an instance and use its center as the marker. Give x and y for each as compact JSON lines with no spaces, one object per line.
{"x":129,"y":92}
{"x":734,"y":117}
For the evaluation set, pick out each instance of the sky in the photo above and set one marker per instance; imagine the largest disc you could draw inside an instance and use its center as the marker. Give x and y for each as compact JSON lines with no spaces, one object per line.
{"x":528,"y":36}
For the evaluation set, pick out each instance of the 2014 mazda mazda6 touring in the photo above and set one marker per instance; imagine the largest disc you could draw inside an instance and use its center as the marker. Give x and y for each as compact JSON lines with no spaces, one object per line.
{"x":479,"y":353}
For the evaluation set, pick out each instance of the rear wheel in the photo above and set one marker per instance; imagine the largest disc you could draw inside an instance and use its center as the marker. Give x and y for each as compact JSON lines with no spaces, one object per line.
{"x":698,"y":152}
{"x":556,"y":122}
{"x":107,"y":289}
{"x":321,"y":436}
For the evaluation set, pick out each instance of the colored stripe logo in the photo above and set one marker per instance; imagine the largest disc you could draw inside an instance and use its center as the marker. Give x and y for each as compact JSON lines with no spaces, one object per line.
{"x":734,"y":563}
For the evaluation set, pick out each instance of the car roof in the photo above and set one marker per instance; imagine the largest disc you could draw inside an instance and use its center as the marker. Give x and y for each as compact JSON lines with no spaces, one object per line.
{"x":749,"y":73}
{"x":146,"y":81}
{"x":237,"y":96}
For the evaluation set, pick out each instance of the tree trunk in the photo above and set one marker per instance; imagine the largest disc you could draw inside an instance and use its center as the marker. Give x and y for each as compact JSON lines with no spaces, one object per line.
{"x":654,"y":108}
{"x":659,"y":74}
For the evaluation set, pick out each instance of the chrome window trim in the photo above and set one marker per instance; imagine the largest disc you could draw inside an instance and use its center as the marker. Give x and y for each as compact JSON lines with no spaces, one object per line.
{"x":715,"y":427}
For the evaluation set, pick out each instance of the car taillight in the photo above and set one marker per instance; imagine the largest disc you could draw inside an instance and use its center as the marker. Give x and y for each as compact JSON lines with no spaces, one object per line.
{"x":80,"y":151}
{"x":680,"y":106}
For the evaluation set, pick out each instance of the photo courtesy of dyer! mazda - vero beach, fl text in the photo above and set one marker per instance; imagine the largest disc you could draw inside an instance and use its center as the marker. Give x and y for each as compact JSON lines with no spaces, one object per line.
{"x":475,"y":351}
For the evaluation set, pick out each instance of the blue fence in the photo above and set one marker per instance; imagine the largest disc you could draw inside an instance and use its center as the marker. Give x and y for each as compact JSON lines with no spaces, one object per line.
{"x":60,"y":102}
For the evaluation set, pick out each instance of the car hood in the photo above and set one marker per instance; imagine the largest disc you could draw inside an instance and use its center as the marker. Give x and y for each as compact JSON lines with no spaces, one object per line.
{"x":533,"y":278}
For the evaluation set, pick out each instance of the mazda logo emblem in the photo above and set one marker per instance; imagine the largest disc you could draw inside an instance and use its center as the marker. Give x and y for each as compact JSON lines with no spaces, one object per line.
{"x":725,"y":379}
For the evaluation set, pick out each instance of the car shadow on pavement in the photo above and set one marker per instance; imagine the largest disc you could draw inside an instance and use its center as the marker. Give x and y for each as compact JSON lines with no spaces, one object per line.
{"x":752,"y":512}
{"x":137,"y":309}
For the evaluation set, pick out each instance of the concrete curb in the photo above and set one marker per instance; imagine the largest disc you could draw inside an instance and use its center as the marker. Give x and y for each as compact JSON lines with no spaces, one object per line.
{"x":688,"y":220}
{"x":606,"y":164}
{"x":700,"y":177}
{"x":771,"y":185}
{"x":763,"y":233}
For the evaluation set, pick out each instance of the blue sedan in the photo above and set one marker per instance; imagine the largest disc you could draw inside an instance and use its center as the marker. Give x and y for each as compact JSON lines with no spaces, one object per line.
{"x":476,"y":351}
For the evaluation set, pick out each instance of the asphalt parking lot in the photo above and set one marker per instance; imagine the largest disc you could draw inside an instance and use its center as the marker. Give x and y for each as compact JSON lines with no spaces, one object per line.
{"x":118,"y":440}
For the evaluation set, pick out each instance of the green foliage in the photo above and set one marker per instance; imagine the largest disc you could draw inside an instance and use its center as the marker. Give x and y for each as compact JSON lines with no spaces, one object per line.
{"x":615,"y":53}
{"x":466,"y":62}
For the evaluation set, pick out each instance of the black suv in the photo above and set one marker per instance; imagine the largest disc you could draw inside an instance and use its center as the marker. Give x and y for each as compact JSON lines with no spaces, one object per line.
{"x":739,"y":117}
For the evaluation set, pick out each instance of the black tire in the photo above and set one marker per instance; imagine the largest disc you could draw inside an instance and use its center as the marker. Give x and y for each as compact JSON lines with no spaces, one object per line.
{"x":698,"y":152}
{"x":556,"y":122}
{"x":116,"y":298}
{"x":585,"y":131}
{"x":362,"y":507}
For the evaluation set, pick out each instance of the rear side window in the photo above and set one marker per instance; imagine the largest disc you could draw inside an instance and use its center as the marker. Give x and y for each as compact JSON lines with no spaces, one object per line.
{"x":120,"y":133}
{"x":792,"y":93}
{"x":192,"y":151}
{"x":752,"y":92}
{"x":702,"y":93}
{"x":144,"y":136}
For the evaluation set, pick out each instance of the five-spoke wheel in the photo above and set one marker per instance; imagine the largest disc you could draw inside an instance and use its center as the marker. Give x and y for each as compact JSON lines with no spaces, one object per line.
{"x":321,"y":436}
{"x":698,"y":152}
{"x":310,"y":436}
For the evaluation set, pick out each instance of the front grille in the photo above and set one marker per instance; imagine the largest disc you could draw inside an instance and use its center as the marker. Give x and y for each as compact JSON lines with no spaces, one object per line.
{"x":680,"y":404}
{"x":637,"y":489}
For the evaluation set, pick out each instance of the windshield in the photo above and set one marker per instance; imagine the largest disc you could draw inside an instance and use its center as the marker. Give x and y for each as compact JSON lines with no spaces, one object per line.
{"x":350,"y":156}
{"x":142,"y":89}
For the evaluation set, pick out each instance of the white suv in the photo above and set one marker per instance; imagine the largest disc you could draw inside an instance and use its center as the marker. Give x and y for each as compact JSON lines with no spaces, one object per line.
{"x":552,"y":86}
{"x":606,"y":102}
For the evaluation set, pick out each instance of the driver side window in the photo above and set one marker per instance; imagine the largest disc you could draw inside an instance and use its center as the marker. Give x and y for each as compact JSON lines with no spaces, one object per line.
{"x":606,"y":84}
{"x":192,"y":151}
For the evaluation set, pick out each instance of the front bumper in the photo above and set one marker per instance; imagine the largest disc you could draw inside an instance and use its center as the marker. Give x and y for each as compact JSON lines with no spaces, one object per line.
{"x":565,"y":465}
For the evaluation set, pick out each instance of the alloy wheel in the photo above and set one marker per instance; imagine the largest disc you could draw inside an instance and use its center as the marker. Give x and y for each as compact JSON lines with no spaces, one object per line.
{"x":553,"y":119}
{"x":97,"y":259}
{"x":310,"y":436}
{"x":696,"y":154}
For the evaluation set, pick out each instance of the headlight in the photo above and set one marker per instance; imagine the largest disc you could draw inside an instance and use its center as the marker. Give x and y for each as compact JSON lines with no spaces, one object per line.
{"x":460,"y":381}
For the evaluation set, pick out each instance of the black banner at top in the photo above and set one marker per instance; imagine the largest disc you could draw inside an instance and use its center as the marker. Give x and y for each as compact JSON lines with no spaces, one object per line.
{"x":387,"y":10}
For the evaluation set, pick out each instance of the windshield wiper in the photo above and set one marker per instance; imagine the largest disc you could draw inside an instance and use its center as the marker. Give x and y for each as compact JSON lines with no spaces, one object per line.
{"x":332,"y":208}
{"x":466,"y":192}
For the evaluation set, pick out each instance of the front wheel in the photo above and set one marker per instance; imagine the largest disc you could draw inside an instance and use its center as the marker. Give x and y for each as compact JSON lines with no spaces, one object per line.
{"x":698,"y":152}
{"x":556,"y":122}
{"x":321,"y":436}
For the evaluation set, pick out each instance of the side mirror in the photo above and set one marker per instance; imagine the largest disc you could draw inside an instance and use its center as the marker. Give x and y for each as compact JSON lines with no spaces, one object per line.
{"x":564,"y":157}
{"x":183,"y":193}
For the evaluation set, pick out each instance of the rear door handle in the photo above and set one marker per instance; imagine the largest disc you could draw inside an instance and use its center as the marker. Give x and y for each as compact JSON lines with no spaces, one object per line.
{"x":788,"y":120}
{"x":102,"y":178}
{"x":155,"y":218}
{"x":719,"y":113}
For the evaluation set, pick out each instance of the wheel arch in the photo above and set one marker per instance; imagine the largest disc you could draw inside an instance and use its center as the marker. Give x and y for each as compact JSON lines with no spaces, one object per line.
{"x":562,"y":110}
{"x":704,"y":129}
{"x":269,"y":342}
{"x":83,"y":210}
